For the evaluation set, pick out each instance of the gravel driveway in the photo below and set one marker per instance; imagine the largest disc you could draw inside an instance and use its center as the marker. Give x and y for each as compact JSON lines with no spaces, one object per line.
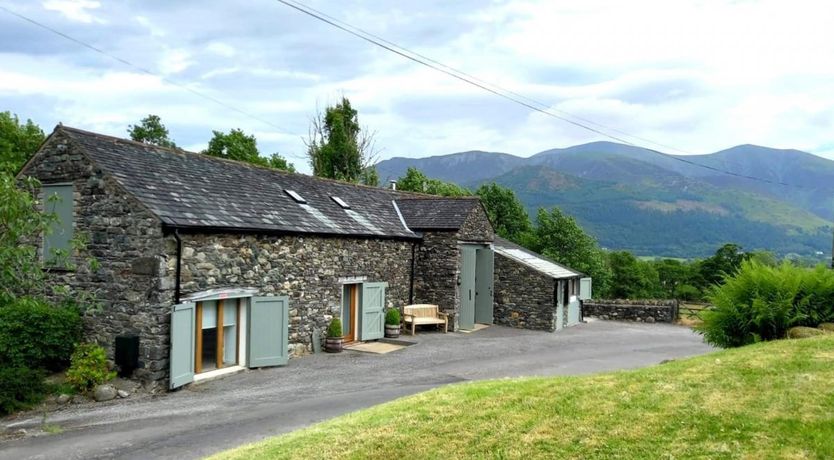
{"x":246,"y":407}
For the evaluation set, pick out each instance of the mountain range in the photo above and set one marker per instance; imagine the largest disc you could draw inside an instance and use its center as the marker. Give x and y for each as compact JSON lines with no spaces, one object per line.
{"x":657,"y":204}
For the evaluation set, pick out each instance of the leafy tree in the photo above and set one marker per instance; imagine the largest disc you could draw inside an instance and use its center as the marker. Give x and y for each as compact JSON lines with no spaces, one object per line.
{"x":239,"y":146}
{"x":21,"y":273}
{"x":370,"y":176}
{"x":561,"y":238}
{"x":415,"y":181}
{"x":725,"y":262}
{"x":150,"y":130}
{"x":276,"y":161}
{"x":338,"y":147}
{"x":18,"y":142}
{"x":631,"y":277}
{"x":505,"y":211}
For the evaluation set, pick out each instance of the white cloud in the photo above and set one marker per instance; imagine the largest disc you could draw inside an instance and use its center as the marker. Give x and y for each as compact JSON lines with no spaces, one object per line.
{"x":699,"y":76}
{"x":75,"y":10}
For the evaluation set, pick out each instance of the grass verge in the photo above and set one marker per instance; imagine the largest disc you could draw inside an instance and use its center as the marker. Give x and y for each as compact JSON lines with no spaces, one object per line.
{"x":769,"y":400}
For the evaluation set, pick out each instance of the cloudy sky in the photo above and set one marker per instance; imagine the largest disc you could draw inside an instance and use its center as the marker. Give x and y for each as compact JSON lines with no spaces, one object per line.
{"x":699,"y":76}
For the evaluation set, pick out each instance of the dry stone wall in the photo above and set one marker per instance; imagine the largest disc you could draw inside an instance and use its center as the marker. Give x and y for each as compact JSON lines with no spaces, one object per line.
{"x":645,"y":311}
{"x":523,"y":296}
{"x":437,"y":270}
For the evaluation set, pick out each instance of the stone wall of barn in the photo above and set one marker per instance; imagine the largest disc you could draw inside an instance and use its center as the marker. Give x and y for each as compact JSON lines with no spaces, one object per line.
{"x":476,"y":227}
{"x":524,"y":298}
{"x":306,"y":268}
{"x":437,"y":270}
{"x":127,"y":294}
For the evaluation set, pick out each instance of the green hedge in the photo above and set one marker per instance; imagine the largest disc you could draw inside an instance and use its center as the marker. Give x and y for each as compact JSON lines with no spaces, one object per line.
{"x":36,"y":335}
{"x":20,"y":387}
{"x":762,"y":302}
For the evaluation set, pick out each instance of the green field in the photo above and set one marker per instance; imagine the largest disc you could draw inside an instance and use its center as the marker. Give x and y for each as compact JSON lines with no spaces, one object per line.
{"x":769,"y":400}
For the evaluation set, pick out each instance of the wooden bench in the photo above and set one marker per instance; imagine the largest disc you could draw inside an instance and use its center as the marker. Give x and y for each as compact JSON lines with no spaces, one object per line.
{"x":424,"y":314}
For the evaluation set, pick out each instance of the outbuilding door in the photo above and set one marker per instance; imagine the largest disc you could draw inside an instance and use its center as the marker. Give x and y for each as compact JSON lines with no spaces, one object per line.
{"x":373,"y":311}
{"x":467,"y":287}
{"x":183,"y":331}
{"x":484,"y":259}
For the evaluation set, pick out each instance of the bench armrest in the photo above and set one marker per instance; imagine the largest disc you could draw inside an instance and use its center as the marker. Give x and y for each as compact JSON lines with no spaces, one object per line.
{"x":442,"y":315}
{"x":405,"y":317}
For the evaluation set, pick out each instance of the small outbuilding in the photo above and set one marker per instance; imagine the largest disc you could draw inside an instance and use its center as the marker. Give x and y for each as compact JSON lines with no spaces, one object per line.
{"x":534,"y":292}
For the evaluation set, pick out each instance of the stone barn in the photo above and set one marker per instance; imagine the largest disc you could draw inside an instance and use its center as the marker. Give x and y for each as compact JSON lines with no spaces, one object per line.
{"x":217,"y":265}
{"x":534,"y":292}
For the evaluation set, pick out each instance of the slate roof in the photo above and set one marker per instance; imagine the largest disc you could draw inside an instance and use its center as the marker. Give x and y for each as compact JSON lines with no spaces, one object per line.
{"x":535,"y":261}
{"x":436,"y":213}
{"x":192,"y":190}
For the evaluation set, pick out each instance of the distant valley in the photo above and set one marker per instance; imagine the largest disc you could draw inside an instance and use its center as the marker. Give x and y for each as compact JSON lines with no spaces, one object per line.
{"x":654,"y":205}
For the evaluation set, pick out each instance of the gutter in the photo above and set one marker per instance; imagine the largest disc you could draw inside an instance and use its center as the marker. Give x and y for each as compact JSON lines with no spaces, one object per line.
{"x":179,"y":266}
{"x":411,"y":278}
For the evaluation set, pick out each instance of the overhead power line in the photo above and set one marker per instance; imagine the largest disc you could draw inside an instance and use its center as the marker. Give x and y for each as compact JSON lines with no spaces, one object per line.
{"x":510,"y":95}
{"x":153,"y":74}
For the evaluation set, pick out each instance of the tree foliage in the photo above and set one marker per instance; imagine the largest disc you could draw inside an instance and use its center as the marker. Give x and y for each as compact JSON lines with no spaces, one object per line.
{"x":632,"y":278}
{"x":726,"y":261}
{"x":339,"y":148}
{"x":505,"y":211}
{"x":239,"y":146}
{"x":561,"y":238}
{"x":415,"y":181}
{"x":18,"y":142}
{"x":150,"y":130}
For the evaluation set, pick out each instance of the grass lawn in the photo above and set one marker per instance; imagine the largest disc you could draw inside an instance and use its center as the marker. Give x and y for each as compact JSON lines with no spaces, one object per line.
{"x":770,"y":400}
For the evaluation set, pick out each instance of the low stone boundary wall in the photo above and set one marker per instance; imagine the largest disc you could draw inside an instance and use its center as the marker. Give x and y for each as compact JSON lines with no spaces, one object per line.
{"x":644,"y":311}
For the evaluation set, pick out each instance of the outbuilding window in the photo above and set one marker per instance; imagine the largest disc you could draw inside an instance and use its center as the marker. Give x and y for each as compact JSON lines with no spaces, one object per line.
{"x":58,"y":201}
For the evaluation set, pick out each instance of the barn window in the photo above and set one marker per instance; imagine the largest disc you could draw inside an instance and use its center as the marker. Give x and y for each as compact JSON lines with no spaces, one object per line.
{"x":57,"y":201}
{"x":340,"y":202}
{"x":295,"y":196}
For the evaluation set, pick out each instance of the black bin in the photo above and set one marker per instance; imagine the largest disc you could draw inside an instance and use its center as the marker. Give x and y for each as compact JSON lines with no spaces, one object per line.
{"x":127,"y":354}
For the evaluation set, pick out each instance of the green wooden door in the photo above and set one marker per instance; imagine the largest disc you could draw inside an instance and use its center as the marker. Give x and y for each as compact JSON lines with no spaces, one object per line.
{"x":467,"y":288}
{"x":483,"y":285}
{"x":183,"y":330}
{"x":267,"y":335}
{"x":58,"y":201}
{"x":585,"y":292}
{"x":372,"y":322}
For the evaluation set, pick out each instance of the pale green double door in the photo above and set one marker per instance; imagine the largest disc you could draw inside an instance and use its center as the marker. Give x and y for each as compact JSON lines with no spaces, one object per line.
{"x":266,"y":338}
{"x":476,"y":285}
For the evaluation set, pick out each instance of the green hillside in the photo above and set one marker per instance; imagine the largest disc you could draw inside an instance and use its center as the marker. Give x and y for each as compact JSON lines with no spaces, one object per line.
{"x":671,"y":216}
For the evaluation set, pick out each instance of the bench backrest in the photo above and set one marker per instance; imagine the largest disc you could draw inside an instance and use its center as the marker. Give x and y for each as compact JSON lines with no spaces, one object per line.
{"x":421,"y":311}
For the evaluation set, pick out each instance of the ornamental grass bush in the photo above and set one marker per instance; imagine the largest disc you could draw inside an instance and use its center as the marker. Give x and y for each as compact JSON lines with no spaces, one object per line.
{"x":334,"y":330}
{"x":762,"y":302}
{"x":89,"y":367}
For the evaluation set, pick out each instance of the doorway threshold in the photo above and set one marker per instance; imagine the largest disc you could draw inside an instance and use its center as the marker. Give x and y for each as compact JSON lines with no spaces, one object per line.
{"x":477,"y":328}
{"x":217,"y":373}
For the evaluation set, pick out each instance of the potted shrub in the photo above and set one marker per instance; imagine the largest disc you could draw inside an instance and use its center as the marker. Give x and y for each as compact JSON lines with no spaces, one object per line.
{"x":333,"y":342}
{"x":392,"y":323}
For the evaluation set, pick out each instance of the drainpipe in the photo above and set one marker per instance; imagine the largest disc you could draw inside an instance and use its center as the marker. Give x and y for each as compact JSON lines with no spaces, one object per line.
{"x":411,"y":279}
{"x":179,"y":263}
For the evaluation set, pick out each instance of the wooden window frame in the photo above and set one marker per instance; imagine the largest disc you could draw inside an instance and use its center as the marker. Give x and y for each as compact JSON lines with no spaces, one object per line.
{"x":219,"y":350}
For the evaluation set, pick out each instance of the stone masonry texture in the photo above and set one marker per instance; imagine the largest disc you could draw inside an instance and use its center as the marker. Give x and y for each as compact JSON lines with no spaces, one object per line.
{"x":645,"y":311}
{"x":524,"y":298}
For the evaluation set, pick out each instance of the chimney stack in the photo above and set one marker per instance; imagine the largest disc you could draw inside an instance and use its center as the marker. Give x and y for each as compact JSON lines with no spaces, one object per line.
{"x":393,"y":184}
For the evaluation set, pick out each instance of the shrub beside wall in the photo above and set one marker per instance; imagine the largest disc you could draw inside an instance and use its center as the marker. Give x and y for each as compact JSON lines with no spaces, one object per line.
{"x":762,"y":302}
{"x":36,"y":335}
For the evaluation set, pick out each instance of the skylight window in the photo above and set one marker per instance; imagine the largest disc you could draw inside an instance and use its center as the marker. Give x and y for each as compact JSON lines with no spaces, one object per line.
{"x":340,"y":202}
{"x":295,"y":196}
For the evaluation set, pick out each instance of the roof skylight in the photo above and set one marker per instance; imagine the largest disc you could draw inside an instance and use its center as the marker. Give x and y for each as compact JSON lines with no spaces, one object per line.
{"x":295,"y":196}
{"x":340,"y":202}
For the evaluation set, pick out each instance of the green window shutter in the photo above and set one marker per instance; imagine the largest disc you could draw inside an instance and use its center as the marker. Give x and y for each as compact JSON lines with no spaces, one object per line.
{"x":183,"y":330}
{"x":268,"y":321}
{"x":58,"y":200}
{"x":373,"y":311}
{"x":585,"y":288}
